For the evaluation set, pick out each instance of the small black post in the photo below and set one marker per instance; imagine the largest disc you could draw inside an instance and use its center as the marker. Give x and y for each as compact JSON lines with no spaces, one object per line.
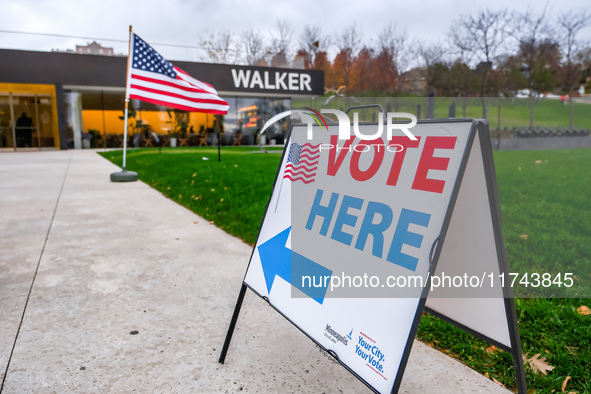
{"x":232,"y":323}
{"x":452,"y":110}
{"x":219,"y":147}
{"x":431,"y":106}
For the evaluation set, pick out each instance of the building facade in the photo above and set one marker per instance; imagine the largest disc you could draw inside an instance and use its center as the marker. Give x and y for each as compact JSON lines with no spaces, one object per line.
{"x":94,"y":48}
{"x":66,"y":100}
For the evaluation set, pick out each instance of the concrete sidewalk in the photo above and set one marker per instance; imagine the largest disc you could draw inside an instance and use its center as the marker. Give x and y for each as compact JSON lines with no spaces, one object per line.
{"x":102,"y":260}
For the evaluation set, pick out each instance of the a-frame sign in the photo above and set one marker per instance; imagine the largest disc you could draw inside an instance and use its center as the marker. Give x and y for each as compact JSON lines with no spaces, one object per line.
{"x":361,"y":236}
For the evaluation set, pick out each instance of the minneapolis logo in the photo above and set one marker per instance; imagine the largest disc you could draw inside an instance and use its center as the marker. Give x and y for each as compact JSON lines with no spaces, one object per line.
{"x":334,"y":336}
{"x":302,"y":162}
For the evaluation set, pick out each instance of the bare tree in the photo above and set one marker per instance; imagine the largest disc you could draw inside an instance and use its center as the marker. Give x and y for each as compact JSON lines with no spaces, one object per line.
{"x":394,"y":56}
{"x":530,"y":25}
{"x":431,"y":57}
{"x":570,"y":24}
{"x":428,"y":56}
{"x":349,"y":40}
{"x":388,"y":47}
{"x":254,"y":48}
{"x":482,"y":36}
{"x":396,"y":45}
{"x":221,"y":47}
{"x":281,"y":42}
{"x":282,"y":38}
{"x":530,"y":29}
{"x":462,"y":45}
{"x":348,"y":45}
{"x":312,"y":41}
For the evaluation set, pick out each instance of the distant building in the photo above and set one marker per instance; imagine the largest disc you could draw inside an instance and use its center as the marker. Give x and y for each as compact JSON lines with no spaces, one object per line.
{"x":69,"y":95}
{"x":94,"y":48}
{"x":413,"y":81}
{"x":484,"y":67}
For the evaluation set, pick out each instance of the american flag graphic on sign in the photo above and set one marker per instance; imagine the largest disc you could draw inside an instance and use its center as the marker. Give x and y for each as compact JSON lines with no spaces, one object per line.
{"x":302,"y":162}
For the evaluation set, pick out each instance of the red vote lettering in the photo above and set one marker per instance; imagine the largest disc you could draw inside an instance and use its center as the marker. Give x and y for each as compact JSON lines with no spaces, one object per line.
{"x":429,"y":162}
{"x":406,"y":143}
{"x":378,"y":157}
{"x":334,"y":163}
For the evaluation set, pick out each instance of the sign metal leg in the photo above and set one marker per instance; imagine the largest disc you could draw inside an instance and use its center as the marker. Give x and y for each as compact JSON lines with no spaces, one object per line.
{"x":232,"y":324}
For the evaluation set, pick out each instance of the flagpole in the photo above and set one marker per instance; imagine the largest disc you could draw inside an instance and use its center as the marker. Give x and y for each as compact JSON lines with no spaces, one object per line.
{"x":124,"y":175}
{"x":126,"y":101}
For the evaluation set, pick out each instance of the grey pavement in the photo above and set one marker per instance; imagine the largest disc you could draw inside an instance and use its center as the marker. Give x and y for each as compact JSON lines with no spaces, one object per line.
{"x":84,"y":262}
{"x":582,"y":100}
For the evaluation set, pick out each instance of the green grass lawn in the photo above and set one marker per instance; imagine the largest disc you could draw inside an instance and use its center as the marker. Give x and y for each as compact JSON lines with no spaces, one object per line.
{"x":232,"y":193}
{"x":549,"y":201}
{"x":514,"y":112}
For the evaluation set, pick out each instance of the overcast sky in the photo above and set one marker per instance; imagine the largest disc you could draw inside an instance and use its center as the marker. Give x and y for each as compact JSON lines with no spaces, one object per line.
{"x":187,"y":22}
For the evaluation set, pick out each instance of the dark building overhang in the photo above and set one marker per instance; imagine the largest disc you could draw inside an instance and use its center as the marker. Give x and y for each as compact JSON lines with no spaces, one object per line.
{"x":109,"y":72}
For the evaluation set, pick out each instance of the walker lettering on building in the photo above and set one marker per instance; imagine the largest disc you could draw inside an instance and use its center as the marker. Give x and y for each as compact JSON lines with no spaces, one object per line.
{"x":288,"y":81}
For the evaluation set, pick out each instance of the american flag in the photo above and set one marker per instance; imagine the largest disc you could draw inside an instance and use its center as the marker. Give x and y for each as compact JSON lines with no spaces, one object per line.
{"x":302,"y":162}
{"x":155,"y":80}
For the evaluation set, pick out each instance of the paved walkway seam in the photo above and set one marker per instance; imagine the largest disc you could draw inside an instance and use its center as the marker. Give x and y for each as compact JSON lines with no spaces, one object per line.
{"x":35,"y":274}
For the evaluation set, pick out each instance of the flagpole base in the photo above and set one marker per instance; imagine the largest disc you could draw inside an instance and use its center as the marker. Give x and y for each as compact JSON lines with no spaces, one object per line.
{"x":124,"y":176}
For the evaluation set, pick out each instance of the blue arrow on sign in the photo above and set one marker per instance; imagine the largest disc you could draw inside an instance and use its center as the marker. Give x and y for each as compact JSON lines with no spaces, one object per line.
{"x":277,"y":260}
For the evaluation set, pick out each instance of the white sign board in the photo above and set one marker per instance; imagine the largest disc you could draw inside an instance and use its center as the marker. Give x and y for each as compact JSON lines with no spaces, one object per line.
{"x":472,"y":220}
{"x":351,"y":238}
